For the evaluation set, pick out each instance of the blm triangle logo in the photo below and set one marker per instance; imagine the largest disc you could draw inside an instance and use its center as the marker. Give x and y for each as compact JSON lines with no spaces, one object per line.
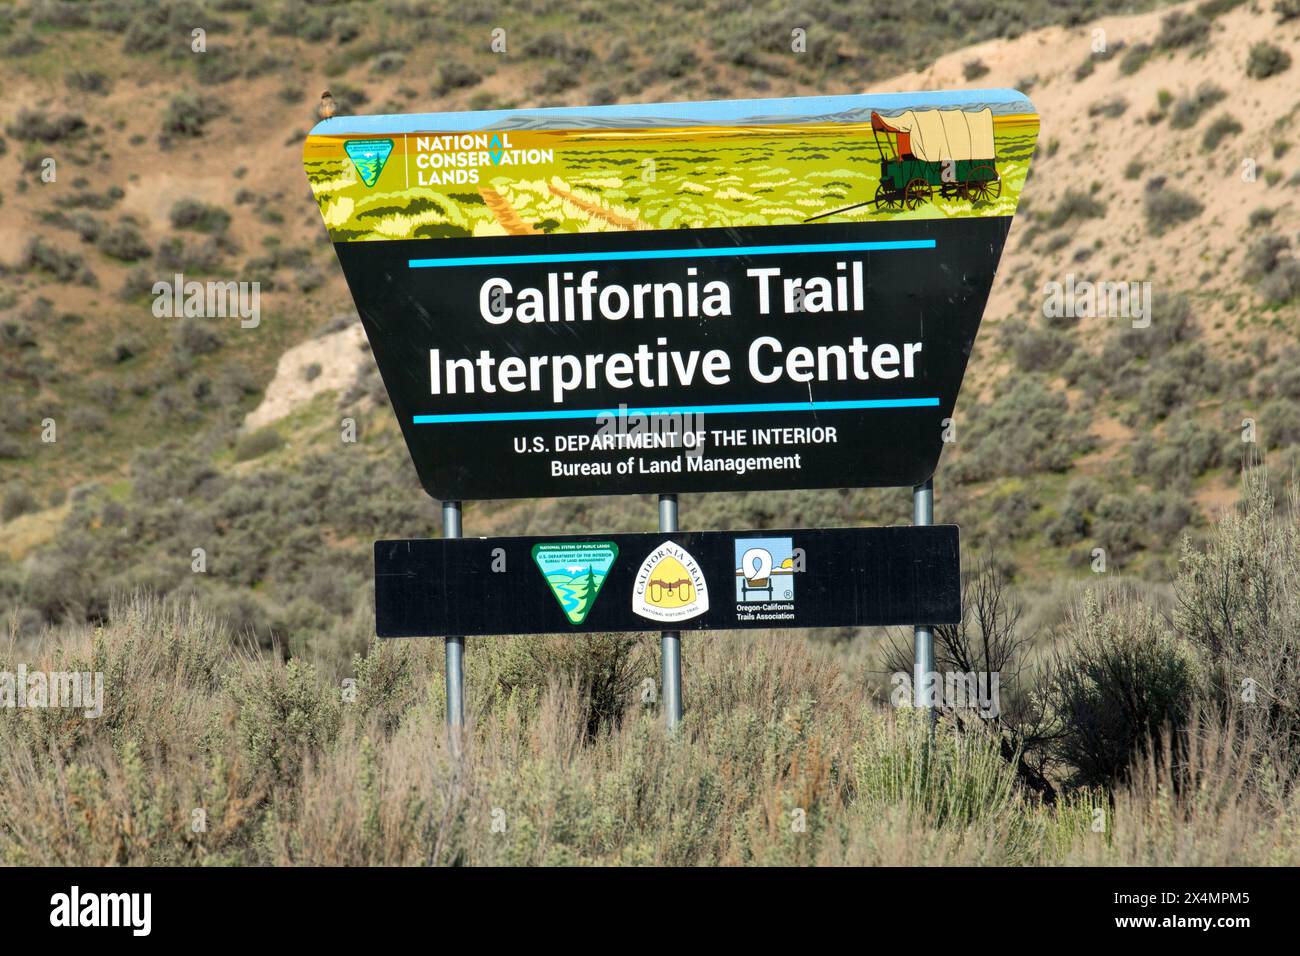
{"x":369,"y":157}
{"x":575,"y":572}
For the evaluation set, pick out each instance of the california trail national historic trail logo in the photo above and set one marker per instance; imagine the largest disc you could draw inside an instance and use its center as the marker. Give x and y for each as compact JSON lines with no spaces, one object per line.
{"x":575,"y":572}
{"x":764,"y":570}
{"x":369,"y":157}
{"x":670,"y":585}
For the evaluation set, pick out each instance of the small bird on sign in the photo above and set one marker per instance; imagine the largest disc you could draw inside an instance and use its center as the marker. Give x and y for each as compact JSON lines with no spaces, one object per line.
{"x":327,"y":107}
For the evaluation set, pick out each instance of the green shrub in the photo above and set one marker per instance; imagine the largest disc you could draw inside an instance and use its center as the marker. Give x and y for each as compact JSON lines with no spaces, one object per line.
{"x":348,"y":99}
{"x":147,"y":34}
{"x":1282,"y":285}
{"x":1239,"y":602}
{"x":1280,"y":424}
{"x":1111,"y":108}
{"x":139,"y":283}
{"x":1027,"y":416}
{"x":40,"y":127}
{"x":86,"y":226}
{"x":1275,"y":271}
{"x":1266,"y":60}
{"x":1166,"y":208}
{"x":258,"y":443}
{"x":1122,"y":679}
{"x":1035,"y":348}
{"x":1135,"y":58}
{"x":124,"y":242}
{"x":677,"y":60}
{"x":1186,"y":451}
{"x":60,"y":14}
{"x":42,"y":256}
{"x":1180,"y":29}
{"x":1074,"y":205}
{"x":959,"y":780}
{"x":196,"y":336}
{"x":199,"y":216}
{"x":18,"y":500}
{"x":346,"y":27}
{"x":388,"y":63}
{"x":216,"y":67}
{"x":178,"y":255}
{"x":188,"y":114}
{"x":89,"y":200}
{"x":1261,"y":216}
{"x":285,"y":716}
{"x":1219,"y":130}
{"x":1074,"y":521}
{"x":88,"y":81}
{"x":1264,"y":254}
{"x":1188,"y":110}
{"x":605,"y":670}
{"x":1214,"y":8}
{"x":453,"y":76}
{"x":556,"y":79}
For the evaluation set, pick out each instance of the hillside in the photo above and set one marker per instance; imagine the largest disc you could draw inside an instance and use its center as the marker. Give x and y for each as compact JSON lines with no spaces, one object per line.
{"x":176,"y":435}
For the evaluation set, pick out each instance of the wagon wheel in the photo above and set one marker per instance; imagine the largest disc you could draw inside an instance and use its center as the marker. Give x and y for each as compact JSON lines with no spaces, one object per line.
{"x":984,"y":190}
{"x":917,"y":192}
{"x":887,"y":198}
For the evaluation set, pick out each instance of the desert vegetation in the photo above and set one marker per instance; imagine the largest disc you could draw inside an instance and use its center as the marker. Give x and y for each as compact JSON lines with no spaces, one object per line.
{"x":219,"y":574}
{"x":1133,"y":742}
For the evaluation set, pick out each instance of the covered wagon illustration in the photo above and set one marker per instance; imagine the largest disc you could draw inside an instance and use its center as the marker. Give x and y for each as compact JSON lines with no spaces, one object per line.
{"x":922,"y":152}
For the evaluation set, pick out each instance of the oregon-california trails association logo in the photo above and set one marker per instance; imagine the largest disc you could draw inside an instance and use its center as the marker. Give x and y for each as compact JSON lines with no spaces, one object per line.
{"x":670,"y":585}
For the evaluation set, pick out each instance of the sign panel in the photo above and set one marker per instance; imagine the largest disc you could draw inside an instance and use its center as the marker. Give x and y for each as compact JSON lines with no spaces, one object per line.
{"x":680,"y":581}
{"x":755,"y":294}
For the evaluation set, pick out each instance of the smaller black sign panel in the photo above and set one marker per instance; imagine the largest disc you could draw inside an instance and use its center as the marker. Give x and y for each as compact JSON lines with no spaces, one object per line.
{"x":700,"y":580}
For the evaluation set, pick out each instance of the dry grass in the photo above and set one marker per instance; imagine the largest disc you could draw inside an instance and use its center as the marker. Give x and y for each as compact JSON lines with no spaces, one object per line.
{"x":210,"y":751}
{"x":781,"y":760}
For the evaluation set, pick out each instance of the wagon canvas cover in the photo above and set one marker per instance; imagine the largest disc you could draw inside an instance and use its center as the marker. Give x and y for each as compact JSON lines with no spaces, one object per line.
{"x":938,"y":135}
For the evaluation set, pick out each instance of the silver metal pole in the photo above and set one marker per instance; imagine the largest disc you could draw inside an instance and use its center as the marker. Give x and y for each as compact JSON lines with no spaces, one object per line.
{"x":923,"y":634}
{"x":454,"y":647}
{"x":670,"y":642}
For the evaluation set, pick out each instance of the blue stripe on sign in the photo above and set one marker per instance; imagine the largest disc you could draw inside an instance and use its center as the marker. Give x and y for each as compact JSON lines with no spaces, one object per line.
{"x":672,"y":253}
{"x":675,"y":410}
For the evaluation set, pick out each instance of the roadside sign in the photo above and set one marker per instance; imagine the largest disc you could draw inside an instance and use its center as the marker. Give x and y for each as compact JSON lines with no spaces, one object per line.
{"x":667,"y":298}
{"x":695,"y":580}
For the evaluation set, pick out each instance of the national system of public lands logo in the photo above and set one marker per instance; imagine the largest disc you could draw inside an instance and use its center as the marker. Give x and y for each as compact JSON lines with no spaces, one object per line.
{"x":369,"y":157}
{"x":575,"y":572}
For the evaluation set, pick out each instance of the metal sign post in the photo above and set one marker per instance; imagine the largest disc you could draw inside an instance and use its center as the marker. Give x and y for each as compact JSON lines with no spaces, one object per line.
{"x":670,"y":642}
{"x":454,"y":647}
{"x":923,"y":634}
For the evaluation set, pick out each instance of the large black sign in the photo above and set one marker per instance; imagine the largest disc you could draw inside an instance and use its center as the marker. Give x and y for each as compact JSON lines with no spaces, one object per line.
{"x":810,"y":356}
{"x":680,"y":581}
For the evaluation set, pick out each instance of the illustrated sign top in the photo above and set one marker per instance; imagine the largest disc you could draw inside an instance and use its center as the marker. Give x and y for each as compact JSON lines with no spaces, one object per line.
{"x":751,"y":294}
